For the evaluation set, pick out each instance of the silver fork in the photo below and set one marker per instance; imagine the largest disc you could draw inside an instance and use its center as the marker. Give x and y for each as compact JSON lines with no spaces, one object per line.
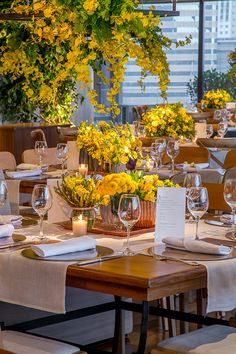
{"x":169,"y":258}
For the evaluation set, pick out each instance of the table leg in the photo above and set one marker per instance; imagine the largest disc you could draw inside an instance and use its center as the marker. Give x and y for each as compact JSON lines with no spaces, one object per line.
{"x":119,"y":331}
{"x":143,"y":328}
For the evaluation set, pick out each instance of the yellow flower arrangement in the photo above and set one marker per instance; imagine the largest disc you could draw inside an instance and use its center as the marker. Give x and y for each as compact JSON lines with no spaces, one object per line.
{"x":216,"y":99}
{"x":78,"y":191}
{"x":169,"y":120}
{"x":109,"y":143}
{"x":83,"y":34}
{"x":115,"y":184}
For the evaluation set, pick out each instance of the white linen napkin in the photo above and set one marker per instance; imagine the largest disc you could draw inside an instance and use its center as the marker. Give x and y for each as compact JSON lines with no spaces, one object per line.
{"x":197,"y":166}
{"x":15,"y":220}
{"x":6,"y":230}
{"x":75,"y":245}
{"x":191,"y":245}
{"x":27,"y":166}
{"x":25,"y":173}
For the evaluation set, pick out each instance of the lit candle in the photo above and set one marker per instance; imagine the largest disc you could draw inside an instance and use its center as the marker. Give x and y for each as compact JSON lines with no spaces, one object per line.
{"x":79,"y":225}
{"x":83,"y":169}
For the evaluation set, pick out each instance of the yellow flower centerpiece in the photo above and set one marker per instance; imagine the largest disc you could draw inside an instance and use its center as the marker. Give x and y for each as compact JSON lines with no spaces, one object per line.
{"x":112,"y":186}
{"x":216,"y":99}
{"x":80,"y":194}
{"x":109,"y":143}
{"x":170,"y":120}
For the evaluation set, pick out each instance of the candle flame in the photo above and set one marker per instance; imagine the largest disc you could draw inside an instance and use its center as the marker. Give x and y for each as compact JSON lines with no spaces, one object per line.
{"x":80,"y":217}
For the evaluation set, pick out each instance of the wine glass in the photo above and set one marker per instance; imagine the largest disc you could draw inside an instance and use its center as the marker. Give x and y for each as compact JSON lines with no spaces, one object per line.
{"x":41,"y":203}
{"x":155,"y":154}
{"x":230,"y":199}
{"x":209,"y":130}
{"x":217,"y":114}
{"x":3,"y":194}
{"x":62,"y":154}
{"x":197,"y":204}
{"x":129,"y":211}
{"x":172,"y":150}
{"x":162,"y":149}
{"x":141,"y":131}
{"x":40,"y":149}
{"x":191,"y":180}
{"x":222,"y":128}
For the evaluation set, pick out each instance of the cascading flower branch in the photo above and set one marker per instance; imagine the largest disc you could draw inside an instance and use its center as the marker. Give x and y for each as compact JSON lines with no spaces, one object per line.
{"x":86,"y":33}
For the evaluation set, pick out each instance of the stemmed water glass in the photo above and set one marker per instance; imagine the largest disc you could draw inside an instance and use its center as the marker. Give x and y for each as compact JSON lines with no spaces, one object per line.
{"x":41,"y":203}
{"x":222,"y":128}
{"x":172,"y":150}
{"x":129,"y":211}
{"x":40,"y":149}
{"x":197,"y":204}
{"x":230,"y":199}
{"x":162,"y":148}
{"x":3,"y":193}
{"x":155,"y":153}
{"x":191,"y":180}
{"x":209,"y":130}
{"x":62,"y":155}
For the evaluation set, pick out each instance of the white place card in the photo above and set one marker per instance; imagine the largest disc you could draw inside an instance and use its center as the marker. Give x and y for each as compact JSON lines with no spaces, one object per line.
{"x":170,"y":213}
{"x":60,"y":210}
{"x":230,"y":105}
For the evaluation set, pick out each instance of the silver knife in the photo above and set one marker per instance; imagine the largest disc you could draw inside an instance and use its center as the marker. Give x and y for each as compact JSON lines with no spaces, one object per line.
{"x":17,"y":245}
{"x":99,"y":259}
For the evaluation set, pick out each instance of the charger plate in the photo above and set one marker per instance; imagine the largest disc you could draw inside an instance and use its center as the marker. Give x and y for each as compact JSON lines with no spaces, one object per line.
{"x":5,"y":241}
{"x":75,"y":256}
{"x":174,"y":254}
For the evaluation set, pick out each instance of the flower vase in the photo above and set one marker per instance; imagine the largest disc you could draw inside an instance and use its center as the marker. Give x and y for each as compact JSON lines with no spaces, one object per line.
{"x":85,"y":214}
{"x":148,"y":215}
{"x":109,"y":213}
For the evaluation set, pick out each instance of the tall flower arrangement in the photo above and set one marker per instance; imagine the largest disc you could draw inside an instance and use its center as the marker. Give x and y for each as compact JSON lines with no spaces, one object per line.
{"x":109,"y":143}
{"x":80,"y":34}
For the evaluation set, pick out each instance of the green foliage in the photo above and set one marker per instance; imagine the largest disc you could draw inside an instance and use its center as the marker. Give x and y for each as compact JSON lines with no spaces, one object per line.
{"x":212,"y":80}
{"x":232,"y":62}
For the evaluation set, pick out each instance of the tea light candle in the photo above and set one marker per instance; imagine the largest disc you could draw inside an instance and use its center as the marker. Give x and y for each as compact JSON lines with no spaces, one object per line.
{"x":79,"y":226}
{"x":83,"y":169}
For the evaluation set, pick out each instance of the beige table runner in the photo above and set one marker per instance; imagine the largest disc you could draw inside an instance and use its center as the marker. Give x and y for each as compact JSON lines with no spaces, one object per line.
{"x":32,"y":283}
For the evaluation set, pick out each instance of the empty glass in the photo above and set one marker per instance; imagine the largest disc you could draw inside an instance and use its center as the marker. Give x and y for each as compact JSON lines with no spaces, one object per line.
{"x":172,"y":151}
{"x":222,"y":128}
{"x":209,"y":130}
{"x":62,"y":154}
{"x":197,"y":203}
{"x":129,"y":211}
{"x":217,"y":114}
{"x":156,"y":153}
{"x":141,"y":131}
{"x":230,"y":199}
{"x":40,"y":149}
{"x":41,"y":203}
{"x":162,"y":148}
{"x":191,"y":180}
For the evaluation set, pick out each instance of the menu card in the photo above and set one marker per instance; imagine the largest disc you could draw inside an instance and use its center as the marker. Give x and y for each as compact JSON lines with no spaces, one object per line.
{"x":60,"y":210}
{"x":170,"y":213}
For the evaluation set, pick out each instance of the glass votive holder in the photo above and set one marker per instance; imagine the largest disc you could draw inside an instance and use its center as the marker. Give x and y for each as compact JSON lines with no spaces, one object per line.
{"x":83,"y":169}
{"x":149,"y":165}
{"x":79,"y":225}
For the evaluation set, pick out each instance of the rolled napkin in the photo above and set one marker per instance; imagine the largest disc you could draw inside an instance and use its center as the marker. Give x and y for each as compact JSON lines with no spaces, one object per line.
{"x":196,"y":166}
{"x":15,"y":220}
{"x":26,"y":166}
{"x":82,"y":243}
{"x":198,"y":246}
{"x":6,"y":230}
{"x":25,"y":173}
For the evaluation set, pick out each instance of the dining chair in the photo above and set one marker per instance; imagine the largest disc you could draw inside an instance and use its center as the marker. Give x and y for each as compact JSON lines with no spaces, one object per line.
{"x":230,"y":159}
{"x":208,"y":176}
{"x":29,"y":156}
{"x":213,"y":339}
{"x":7,"y":160}
{"x":38,"y":135}
{"x":25,"y":343}
{"x":189,"y":154}
{"x":216,"y":197}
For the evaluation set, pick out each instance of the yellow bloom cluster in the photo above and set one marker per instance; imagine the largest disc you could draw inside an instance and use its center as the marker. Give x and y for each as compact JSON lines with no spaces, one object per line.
{"x":135,"y":183}
{"x":78,"y":191}
{"x":216,"y":99}
{"x":82,"y":36}
{"x":109,"y":143}
{"x":113,"y":184}
{"x":169,"y":120}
